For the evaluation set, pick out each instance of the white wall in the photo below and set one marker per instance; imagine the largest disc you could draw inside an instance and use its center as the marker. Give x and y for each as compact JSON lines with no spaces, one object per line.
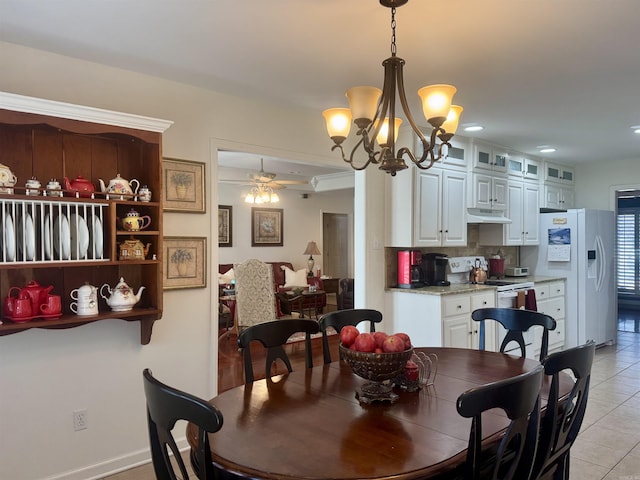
{"x":302,"y":222}
{"x":596,"y":181}
{"x":45,"y":375}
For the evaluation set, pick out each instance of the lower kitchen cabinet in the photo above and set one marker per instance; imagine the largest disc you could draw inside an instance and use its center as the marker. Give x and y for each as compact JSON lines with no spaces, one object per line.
{"x":550,"y":298}
{"x":442,"y":320}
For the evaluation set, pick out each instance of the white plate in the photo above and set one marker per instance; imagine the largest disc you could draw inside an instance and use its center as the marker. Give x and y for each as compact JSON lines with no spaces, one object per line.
{"x":26,"y":238}
{"x":95,"y":238}
{"x":62,"y":237}
{"x":9,"y":239}
{"x":47,"y":235}
{"x":79,"y":236}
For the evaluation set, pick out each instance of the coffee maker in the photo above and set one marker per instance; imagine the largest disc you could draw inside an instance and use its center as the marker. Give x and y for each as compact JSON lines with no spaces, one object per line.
{"x":434,"y":266}
{"x":410,"y":273}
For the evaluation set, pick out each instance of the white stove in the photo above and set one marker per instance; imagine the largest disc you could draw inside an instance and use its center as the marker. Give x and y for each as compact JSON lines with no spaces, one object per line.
{"x":459,"y":268}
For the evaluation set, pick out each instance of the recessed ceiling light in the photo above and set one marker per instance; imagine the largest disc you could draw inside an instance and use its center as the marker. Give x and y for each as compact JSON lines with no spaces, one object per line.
{"x":546,"y":149}
{"x":473,"y":128}
{"x":636,"y":129}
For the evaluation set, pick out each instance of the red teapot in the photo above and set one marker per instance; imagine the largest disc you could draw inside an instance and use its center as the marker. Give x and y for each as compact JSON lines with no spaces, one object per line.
{"x":18,"y":308}
{"x":37,"y":293}
{"x":80,"y":185}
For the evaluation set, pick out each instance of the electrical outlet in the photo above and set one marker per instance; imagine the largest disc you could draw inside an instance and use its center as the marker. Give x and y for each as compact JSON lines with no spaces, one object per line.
{"x":80,"y":420}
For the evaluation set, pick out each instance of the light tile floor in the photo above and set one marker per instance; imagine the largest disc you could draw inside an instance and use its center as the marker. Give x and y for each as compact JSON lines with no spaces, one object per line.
{"x":608,"y":447}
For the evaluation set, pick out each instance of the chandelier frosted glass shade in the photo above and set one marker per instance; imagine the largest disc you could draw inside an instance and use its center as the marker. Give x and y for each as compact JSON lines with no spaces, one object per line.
{"x":372,"y":110}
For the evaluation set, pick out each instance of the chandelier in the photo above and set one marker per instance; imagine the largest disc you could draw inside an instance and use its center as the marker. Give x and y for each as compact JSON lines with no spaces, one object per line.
{"x":373,"y":110}
{"x":261,"y":194}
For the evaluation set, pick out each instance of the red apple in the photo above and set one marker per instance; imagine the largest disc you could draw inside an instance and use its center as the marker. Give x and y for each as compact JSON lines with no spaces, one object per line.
{"x":393,"y":343}
{"x":379,"y":336}
{"x":348,"y":335}
{"x":405,"y":338}
{"x":411,"y":371}
{"x":365,"y":342}
{"x":378,"y":350}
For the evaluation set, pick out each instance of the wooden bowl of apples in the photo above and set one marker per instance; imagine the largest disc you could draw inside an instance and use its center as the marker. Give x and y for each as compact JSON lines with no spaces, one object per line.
{"x":375,"y":356}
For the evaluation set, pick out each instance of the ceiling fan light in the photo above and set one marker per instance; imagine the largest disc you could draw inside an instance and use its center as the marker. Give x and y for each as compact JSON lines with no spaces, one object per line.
{"x":450,"y":125}
{"x":249,"y":198}
{"x":383,"y":135}
{"x":363,"y":102}
{"x":275,"y":198}
{"x":436,"y":102}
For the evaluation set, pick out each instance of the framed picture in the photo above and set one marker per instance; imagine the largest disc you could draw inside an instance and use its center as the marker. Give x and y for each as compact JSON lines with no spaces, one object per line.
{"x":225,"y":226}
{"x":266,"y":227}
{"x":184,"y":262}
{"x":183,"y":186}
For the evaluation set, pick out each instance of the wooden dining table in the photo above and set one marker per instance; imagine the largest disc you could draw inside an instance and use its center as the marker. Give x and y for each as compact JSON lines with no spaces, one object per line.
{"x":309,"y":424}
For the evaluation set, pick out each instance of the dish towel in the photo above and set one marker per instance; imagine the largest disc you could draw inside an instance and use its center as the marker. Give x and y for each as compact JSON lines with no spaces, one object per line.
{"x":530,"y":302}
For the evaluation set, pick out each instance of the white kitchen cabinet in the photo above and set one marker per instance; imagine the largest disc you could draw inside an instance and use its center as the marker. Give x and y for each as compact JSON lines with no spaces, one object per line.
{"x":488,"y":192}
{"x":523,"y":200}
{"x":435,"y":200}
{"x":440,"y":320}
{"x":489,"y":158}
{"x":557,"y":197}
{"x":523,"y":167}
{"x":459,"y":330}
{"x":456,"y":156}
{"x":550,"y":297}
{"x":445,"y":226}
{"x":557,"y":173}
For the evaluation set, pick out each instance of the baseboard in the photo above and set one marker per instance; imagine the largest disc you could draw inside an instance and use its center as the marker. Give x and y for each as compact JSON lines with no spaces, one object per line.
{"x":114,"y":465}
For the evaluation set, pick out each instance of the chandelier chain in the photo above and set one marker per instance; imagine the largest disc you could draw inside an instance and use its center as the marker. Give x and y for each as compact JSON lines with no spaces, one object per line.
{"x":393,"y":31}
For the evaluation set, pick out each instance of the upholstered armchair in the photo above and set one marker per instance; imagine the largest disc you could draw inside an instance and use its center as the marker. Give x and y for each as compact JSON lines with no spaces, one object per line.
{"x":255,"y":298}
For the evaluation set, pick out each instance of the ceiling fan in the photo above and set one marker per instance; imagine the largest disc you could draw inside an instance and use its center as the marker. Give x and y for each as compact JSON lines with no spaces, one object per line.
{"x":264,"y":180}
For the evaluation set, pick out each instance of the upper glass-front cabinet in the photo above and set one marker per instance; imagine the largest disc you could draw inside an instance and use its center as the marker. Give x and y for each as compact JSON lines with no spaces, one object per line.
{"x":558,"y":173}
{"x":522,"y":167}
{"x":486,"y":158}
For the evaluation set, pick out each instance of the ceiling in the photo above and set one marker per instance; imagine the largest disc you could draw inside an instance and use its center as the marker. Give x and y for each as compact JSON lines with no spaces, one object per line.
{"x":563,"y":73}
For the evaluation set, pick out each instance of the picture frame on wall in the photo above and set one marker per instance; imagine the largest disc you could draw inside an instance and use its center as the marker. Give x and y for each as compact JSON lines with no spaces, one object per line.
{"x":184,"y":189}
{"x":225,"y":225}
{"x":266,"y":227}
{"x":185,"y":262}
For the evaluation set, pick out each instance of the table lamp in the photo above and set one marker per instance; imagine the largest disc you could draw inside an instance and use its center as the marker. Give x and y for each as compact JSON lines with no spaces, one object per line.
{"x":311,"y":250}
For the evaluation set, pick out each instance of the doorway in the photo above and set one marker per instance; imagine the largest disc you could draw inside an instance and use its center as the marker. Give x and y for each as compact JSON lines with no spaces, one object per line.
{"x":628,"y":259}
{"x":335,"y":244}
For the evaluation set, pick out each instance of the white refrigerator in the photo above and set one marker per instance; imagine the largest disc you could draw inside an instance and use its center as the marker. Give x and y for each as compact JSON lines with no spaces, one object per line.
{"x":579,"y":245}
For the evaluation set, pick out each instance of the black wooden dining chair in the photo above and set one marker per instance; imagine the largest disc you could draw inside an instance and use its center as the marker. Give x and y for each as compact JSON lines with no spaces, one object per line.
{"x":563,"y":417}
{"x":167,"y":405}
{"x":273,"y":336}
{"x":519,"y":397}
{"x":341,"y":318}
{"x":516,"y":321}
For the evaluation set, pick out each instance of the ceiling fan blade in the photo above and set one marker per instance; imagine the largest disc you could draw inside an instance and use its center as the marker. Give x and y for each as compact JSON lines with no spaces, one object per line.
{"x":291,"y":182}
{"x":236,"y":182}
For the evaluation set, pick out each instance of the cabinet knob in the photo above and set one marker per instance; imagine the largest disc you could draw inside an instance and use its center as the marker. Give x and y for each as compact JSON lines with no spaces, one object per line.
{"x":446,"y":231}
{"x":484,"y":303}
{"x":459,"y":307}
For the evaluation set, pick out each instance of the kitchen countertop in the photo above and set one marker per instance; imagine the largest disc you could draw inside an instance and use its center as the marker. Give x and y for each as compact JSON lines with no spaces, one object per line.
{"x":457,"y":288}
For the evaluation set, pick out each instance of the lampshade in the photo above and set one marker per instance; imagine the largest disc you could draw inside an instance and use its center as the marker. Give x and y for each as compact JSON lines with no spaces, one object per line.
{"x":363,"y":101}
{"x":312,"y":249}
{"x":384,"y":131}
{"x":338,"y":122}
{"x":436,"y":101}
{"x":451,"y":123}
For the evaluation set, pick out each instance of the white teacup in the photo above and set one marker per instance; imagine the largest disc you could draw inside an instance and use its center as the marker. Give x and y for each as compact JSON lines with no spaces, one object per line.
{"x":86,"y":309}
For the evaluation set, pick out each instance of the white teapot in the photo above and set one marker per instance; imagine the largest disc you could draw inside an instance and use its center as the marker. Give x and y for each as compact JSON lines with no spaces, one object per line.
{"x":121,"y":297}
{"x":7,"y":179}
{"x":120,"y":186}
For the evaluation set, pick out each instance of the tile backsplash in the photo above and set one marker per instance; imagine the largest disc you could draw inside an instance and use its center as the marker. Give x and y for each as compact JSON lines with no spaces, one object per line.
{"x":510,"y":254}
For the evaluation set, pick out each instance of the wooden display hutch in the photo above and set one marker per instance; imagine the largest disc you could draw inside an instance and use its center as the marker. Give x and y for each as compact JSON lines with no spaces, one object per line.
{"x":53,"y":140}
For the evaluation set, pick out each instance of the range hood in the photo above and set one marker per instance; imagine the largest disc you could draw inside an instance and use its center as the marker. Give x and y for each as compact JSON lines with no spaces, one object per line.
{"x":480,"y":215}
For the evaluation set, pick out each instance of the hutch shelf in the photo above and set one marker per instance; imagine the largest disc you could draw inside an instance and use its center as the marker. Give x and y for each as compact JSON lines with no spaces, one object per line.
{"x":44,"y":237}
